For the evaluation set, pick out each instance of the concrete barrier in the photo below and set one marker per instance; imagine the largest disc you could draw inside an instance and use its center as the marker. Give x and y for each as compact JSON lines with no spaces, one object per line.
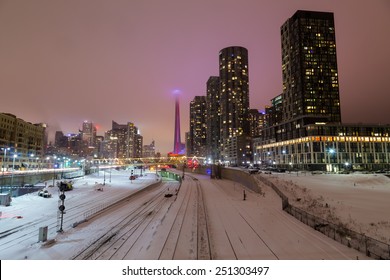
{"x":236,"y":175}
{"x":241,"y":177}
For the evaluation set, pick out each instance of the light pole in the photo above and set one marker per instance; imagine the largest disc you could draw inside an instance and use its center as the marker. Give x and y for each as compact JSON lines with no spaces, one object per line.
{"x":4,"y":158}
{"x":83,"y":166}
{"x":13,"y":169}
{"x":347,"y":166}
{"x":104,"y":176}
{"x":38,"y":163}
{"x":110,"y":168}
{"x":331,"y":152}
{"x":3,"y":166}
{"x":54,"y":169}
{"x":30,"y":160}
{"x":98,"y":163}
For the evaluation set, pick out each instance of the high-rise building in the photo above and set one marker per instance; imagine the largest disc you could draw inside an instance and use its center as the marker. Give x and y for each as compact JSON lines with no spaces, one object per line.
{"x":274,"y":113}
{"x":256,"y":122}
{"x":138,"y":145}
{"x":118,"y":137}
{"x":234,"y":103}
{"x":309,"y":67}
{"x":89,"y":133}
{"x":213,"y":119}
{"x":131,"y":140}
{"x":197,"y":127}
{"x":309,"y":134}
{"x":76,"y":145}
{"x":60,"y":140}
{"x":149,"y":151}
{"x":127,"y":138}
{"x":109,"y":147}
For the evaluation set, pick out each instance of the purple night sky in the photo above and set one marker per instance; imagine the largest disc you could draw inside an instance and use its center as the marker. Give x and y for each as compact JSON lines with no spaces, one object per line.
{"x":66,"y":61}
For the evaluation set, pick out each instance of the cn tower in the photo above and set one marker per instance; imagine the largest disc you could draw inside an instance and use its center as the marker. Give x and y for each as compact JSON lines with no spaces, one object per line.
{"x":177,"y":141}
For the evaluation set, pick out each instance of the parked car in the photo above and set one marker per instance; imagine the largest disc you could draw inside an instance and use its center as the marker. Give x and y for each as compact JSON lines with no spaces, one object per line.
{"x":44,"y":193}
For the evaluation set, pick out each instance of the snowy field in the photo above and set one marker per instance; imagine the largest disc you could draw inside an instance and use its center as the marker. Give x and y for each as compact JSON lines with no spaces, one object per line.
{"x":361,"y":202}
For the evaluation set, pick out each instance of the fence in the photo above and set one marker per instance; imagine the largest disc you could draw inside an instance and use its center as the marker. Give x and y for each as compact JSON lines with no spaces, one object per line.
{"x":371,"y":247}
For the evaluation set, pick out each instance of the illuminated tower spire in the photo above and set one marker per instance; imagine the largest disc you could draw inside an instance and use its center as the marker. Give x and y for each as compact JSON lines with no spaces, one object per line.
{"x":177,"y":140}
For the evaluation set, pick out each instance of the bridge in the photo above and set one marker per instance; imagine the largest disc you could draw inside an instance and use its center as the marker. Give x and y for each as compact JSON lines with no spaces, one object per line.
{"x":148,"y":161}
{"x":87,"y":166}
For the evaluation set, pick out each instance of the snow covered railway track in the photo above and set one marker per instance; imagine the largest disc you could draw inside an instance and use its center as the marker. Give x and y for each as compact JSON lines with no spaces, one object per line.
{"x":204,"y":247}
{"x":188,"y":236}
{"x":73,"y":214}
{"x":127,"y":229}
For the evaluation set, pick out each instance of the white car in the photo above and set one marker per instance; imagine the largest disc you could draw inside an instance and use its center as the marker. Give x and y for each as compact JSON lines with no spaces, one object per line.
{"x":44,"y":193}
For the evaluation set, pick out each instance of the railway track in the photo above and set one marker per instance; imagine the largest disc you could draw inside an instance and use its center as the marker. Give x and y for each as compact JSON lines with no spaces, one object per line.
{"x":188,"y":237}
{"x":129,"y":223}
{"x":74,"y":213}
{"x":199,"y":220}
{"x":204,"y":246}
{"x":179,"y":223}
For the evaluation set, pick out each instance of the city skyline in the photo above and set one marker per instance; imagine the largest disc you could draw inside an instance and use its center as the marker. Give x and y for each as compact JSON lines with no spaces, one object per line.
{"x":123,"y":60}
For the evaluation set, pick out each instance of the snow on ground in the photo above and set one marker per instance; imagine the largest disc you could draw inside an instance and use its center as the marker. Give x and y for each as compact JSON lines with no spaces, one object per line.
{"x":358,"y":200}
{"x":361,"y":202}
{"x":258,"y":228}
{"x":20,"y":222}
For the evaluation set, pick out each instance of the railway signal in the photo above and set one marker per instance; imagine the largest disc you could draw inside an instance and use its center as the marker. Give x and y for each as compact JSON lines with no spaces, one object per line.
{"x":61,"y":206}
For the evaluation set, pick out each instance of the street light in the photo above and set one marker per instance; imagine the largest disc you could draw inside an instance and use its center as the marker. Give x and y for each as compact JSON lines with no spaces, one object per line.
{"x":4,"y":157}
{"x":347,"y":166}
{"x":83,"y":166}
{"x":98,"y":163}
{"x":30,"y":160}
{"x":3,"y":166}
{"x":54,"y":169}
{"x":110,"y":168}
{"x":104,"y":176}
{"x":13,"y":169}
